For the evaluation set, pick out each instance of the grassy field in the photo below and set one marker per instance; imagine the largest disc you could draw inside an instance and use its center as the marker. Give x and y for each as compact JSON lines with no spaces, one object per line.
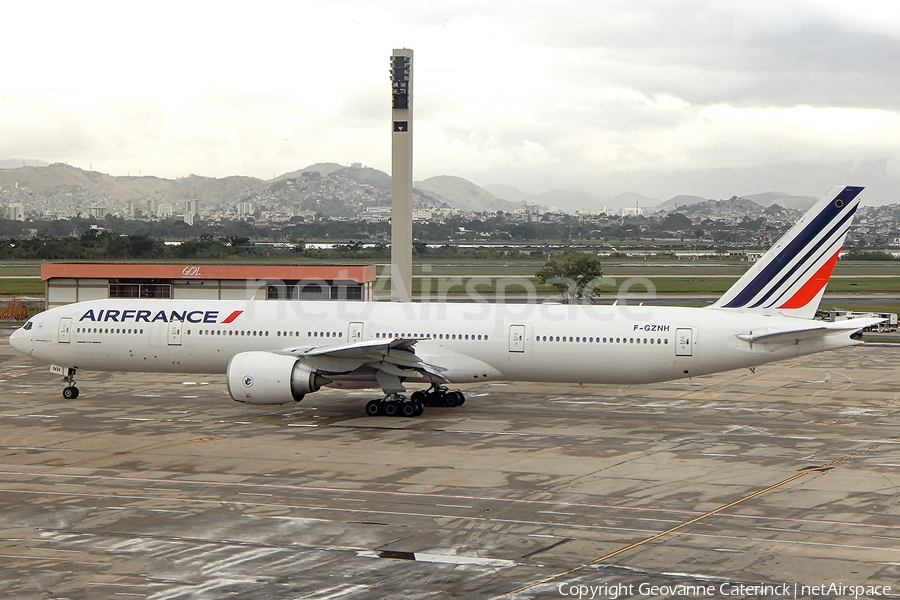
{"x":682,"y":277}
{"x":21,"y":287}
{"x":863,"y":285}
{"x":20,"y":271}
{"x":889,"y":305}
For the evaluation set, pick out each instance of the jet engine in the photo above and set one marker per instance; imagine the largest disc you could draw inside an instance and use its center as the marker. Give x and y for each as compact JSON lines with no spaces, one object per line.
{"x":268,"y":378}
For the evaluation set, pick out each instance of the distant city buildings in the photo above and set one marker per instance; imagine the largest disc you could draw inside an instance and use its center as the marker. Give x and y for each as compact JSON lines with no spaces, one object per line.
{"x":275,"y":207}
{"x":192,"y":207}
{"x":376,"y":214}
{"x":13,"y":212}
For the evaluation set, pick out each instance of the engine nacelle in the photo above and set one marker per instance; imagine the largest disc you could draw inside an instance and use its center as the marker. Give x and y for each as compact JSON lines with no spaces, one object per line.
{"x":268,"y":378}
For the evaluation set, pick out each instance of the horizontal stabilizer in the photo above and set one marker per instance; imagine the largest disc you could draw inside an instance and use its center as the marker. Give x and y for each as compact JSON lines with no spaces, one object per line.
{"x":767,"y":336}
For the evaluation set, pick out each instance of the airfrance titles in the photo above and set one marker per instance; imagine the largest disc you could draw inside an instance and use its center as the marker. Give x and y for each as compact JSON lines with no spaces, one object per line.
{"x":148,"y":316}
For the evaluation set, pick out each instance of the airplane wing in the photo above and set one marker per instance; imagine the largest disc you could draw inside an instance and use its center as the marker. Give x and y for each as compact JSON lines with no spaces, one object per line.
{"x":766,"y":336}
{"x":391,"y":361}
{"x":365,"y":349}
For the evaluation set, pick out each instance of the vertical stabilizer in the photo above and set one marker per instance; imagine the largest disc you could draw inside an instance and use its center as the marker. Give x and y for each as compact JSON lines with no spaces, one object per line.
{"x":790,"y":278}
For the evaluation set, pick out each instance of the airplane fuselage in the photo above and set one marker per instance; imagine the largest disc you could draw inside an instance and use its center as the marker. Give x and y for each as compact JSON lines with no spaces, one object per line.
{"x":277,"y":351}
{"x":468,"y":342}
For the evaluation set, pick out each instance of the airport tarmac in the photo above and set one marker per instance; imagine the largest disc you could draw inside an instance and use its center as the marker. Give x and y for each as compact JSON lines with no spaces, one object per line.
{"x":162,"y":487}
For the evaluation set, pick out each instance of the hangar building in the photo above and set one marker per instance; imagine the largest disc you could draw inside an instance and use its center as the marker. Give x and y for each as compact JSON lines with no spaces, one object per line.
{"x":77,"y":282}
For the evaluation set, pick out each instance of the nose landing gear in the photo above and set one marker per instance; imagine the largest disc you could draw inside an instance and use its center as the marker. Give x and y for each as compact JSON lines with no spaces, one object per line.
{"x":70,"y":392}
{"x":439,"y":395}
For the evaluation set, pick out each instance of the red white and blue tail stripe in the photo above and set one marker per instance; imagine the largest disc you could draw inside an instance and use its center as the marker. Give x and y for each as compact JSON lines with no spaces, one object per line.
{"x":790,"y":278}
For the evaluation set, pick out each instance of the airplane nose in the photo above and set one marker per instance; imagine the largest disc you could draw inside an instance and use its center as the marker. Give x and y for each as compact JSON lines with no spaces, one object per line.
{"x":12,"y":339}
{"x":15,"y":340}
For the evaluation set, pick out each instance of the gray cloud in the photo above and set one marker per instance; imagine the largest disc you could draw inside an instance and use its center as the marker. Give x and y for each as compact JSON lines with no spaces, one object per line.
{"x":661,"y":97}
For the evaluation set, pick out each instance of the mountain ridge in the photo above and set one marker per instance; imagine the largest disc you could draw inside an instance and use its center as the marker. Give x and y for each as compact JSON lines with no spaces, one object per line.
{"x":88,"y":188}
{"x":464,"y":194}
{"x":15,"y":163}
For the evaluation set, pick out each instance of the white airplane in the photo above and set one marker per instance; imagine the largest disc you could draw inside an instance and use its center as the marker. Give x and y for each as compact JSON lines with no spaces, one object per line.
{"x":276,"y":352}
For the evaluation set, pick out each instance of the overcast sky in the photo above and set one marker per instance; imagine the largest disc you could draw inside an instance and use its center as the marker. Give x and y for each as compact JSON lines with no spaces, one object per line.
{"x":660,"y":97}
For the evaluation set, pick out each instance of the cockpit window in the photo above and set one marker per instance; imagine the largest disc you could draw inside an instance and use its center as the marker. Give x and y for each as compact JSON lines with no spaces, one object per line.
{"x":28,"y":326}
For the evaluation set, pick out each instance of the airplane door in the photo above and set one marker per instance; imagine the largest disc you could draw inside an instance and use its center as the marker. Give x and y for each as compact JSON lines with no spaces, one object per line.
{"x":65,"y":330}
{"x":517,"y":338}
{"x":683,"y":342}
{"x":175,"y":333}
{"x":355,"y":333}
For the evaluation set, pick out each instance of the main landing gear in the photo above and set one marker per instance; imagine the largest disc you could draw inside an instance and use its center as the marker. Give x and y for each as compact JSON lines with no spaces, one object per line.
{"x":70,"y":392}
{"x":397,"y":405}
{"x":394,"y":405}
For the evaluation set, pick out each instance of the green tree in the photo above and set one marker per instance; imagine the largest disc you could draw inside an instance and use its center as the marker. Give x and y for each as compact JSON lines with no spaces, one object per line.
{"x":868,"y":255}
{"x":573,"y":274}
{"x":676,"y":222}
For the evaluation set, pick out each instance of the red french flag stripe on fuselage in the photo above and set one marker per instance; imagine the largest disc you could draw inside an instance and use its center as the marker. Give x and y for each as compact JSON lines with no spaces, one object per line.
{"x":232,"y":316}
{"x":811,"y":288}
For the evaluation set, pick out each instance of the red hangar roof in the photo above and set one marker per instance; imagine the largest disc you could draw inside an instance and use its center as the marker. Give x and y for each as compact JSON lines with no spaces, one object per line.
{"x":357,"y":273}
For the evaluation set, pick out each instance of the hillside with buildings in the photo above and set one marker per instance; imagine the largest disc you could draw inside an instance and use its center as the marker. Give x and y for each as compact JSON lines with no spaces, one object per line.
{"x":354,"y":192}
{"x":445,"y":207}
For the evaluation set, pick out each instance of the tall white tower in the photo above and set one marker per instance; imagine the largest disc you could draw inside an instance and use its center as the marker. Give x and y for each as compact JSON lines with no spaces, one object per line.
{"x":401,"y":175}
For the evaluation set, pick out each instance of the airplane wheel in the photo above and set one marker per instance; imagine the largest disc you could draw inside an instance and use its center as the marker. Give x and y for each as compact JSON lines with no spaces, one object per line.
{"x":70,"y":393}
{"x":420,"y":409}
{"x":437,"y":399}
{"x":453,"y":399}
{"x":408,"y":409}
{"x":391,"y":409}
{"x":462,"y":398}
{"x":419,"y":396}
{"x":373,"y":408}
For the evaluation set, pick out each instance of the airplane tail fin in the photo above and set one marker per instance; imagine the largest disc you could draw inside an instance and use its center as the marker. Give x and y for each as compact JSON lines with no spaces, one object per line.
{"x":790,"y":278}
